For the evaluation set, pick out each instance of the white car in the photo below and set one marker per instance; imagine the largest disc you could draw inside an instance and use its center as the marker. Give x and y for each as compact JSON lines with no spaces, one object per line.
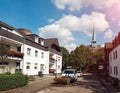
{"x":79,"y":73}
{"x":70,"y":73}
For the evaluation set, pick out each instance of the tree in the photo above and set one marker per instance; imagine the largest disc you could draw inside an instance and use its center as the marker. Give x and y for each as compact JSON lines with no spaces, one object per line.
{"x":3,"y":55}
{"x":65,"y":57}
{"x":99,"y":55}
{"x":72,"y":60}
{"x":3,"y":52}
{"x":82,"y":56}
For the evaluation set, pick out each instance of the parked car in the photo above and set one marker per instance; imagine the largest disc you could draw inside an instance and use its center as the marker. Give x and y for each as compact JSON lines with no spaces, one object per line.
{"x":70,"y":73}
{"x":52,"y":70}
{"x":79,"y":73}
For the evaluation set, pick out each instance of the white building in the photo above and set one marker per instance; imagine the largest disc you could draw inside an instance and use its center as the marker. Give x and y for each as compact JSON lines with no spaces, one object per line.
{"x":114,"y":59}
{"x":28,"y":52}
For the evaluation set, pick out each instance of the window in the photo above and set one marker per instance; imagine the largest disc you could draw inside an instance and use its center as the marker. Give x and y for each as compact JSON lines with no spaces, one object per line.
{"x":58,"y":58}
{"x":110,"y":57}
{"x":28,"y":51}
{"x":36,"y":53}
{"x":36,"y":39}
{"x":58,"y":66}
{"x":4,"y":63}
{"x":18,"y":65}
{"x":116,"y":70}
{"x":115,"y":55}
{"x":41,"y":67}
{"x":19,"y":49}
{"x":111,"y":70}
{"x":42,"y":55}
{"x":28,"y":65}
{"x":35,"y":65}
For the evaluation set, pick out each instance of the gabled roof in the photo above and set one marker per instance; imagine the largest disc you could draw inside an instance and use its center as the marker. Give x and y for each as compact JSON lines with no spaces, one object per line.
{"x":108,"y":45}
{"x":6,"y":25}
{"x":53,"y":45}
{"x":50,"y":41}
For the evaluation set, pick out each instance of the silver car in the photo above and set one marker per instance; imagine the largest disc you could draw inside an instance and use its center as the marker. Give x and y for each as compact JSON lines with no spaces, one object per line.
{"x":70,"y":73}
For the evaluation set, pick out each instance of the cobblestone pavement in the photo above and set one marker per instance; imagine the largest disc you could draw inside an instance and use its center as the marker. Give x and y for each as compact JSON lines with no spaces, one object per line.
{"x":89,"y":83}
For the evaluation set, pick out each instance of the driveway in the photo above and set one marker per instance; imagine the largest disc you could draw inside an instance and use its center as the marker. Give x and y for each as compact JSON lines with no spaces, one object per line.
{"x":89,"y":83}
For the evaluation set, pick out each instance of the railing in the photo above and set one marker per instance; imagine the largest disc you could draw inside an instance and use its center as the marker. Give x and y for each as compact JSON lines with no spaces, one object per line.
{"x":14,"y":53}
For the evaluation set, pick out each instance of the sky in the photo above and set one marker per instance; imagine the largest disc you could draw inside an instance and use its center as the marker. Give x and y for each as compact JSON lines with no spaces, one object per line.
{"x":71,"y":21}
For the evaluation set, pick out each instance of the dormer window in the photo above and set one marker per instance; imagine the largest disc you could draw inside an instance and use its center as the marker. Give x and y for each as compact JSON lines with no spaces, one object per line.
{"x":36,"y":39}
{"x":41,"y":41}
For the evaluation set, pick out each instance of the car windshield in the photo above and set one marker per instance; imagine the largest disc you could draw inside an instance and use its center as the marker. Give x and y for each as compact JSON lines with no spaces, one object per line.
{"x":68,"y":72}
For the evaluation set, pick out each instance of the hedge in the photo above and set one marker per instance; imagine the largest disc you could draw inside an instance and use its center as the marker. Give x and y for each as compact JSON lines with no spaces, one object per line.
{"x":10,"y":81}
{"x":63,"y":81}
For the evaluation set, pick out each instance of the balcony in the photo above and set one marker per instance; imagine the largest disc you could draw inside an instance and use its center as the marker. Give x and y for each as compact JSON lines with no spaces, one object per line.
{"x":13,"y":53}
{"x":52,"y":60}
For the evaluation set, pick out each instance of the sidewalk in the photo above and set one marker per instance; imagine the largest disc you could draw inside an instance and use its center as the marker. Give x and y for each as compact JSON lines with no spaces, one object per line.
{"x":109,"y":87}
{"x":34,"y":86}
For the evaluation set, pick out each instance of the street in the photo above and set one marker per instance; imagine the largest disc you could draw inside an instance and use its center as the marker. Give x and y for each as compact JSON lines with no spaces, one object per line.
{"x":88,"y":84}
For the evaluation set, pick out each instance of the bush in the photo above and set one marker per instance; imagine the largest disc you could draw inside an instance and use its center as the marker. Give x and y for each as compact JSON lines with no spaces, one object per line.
{"x":64,"y":81}
{"x":7,"y":73}
{"x":10,"y":81}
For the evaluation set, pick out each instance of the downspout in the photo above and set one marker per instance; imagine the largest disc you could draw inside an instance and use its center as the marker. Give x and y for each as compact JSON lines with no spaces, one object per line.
{"x":24,"y":54}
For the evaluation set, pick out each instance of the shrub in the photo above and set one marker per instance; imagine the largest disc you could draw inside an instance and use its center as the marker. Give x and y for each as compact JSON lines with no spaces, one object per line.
{"x":10,"y":81}
{"x":7,"y":73}
{"x":64,"y":81}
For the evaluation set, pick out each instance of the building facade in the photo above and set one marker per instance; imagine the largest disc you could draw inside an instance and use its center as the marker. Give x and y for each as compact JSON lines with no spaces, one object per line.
{"x":107,"y":49}
{"x":28,"y":52}
{"x":112,"y":56}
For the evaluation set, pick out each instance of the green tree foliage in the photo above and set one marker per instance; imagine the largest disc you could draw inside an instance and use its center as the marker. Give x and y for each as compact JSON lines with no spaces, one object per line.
{"x":65,"y":57}
{"x":83,"y":56}
{"x":3,"y":52}
{"x":72,"y":60}
{"x":99,"y":55}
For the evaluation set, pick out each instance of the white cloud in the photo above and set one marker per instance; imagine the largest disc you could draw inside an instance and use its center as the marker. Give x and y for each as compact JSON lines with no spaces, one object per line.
{"x":99,"y":4}
{"x":51,"y":20}
{"x":108,"y":34}
{"x":70,"y":4}
{"x":70,"y":46}
{"x":52,"y":31}
{"x":73,"y":5}
{"x":64,"y":27}
{"x":119,"y":23}
{"x":84,"y":23}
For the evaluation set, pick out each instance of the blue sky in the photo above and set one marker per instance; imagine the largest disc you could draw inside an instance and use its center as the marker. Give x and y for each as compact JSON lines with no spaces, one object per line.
{"x":71,"y":21}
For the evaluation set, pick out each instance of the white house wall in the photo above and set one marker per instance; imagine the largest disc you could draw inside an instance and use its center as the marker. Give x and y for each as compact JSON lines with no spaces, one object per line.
{"x":32,"y":59}
{"x":115,"y":62}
